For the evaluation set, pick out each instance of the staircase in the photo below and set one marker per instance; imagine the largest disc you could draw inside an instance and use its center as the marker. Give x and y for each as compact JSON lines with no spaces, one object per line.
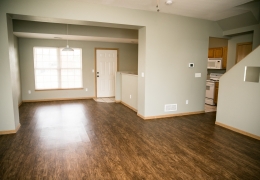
{"x":238,"y":100}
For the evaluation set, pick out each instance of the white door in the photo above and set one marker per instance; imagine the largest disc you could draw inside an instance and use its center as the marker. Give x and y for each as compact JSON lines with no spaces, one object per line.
{"x":105,"y":72}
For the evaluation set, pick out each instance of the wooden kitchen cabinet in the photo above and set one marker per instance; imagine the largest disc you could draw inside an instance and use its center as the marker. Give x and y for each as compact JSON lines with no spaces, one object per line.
{"x":215,"y":52}
{"x":216,"y":93}
{"x":211,"y":53}
{"x":219,"y":52}
{"x":224,"y":58}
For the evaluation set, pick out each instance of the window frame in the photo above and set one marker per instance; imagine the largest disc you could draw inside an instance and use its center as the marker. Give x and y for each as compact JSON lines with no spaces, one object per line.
{"x":58,"y":49}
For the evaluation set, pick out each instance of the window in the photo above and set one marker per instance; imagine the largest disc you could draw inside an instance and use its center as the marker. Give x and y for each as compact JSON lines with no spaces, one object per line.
{"x":57,"y":69}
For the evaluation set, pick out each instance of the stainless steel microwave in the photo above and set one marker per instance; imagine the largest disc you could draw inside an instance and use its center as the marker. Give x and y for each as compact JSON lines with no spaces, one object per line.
{"x":214,"y":63}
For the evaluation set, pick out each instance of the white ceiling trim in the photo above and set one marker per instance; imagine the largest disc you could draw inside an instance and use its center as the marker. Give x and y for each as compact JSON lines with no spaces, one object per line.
{"x":74,"y":37}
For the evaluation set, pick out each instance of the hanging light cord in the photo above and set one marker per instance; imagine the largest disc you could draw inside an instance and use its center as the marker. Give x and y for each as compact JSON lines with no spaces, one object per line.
{"x":67,"y":35}
{"x":67,"y":48}
{"x":157,"y":6}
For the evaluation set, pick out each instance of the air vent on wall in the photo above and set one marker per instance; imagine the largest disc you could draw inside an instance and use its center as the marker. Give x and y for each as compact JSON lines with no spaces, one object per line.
{"x":170,"y":107}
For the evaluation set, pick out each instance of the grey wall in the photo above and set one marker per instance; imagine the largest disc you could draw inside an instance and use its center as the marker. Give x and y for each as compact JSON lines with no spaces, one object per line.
{"x":171,"y":45}
{"x":127,"y":61}
{"x":17,"y":70}
{"x":13,"y":85}
{"x":54,"y":28}
{"x":217,"y":42}
{"x":15,"y":74}
{"x":234,"y":22}
{"x":6,"y":103}
{"x":255,"y":29}
{"x":141,"y":69}
{"x":232,"y":47}
{"x":239,"y":101}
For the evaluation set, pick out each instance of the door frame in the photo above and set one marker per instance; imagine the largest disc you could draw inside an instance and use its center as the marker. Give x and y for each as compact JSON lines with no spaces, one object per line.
{"x":95,"y":70}
{"x":244,"y":43}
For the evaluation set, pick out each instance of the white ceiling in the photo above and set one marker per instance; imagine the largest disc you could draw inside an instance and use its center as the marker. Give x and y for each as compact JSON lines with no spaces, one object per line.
{"x":204,"y":9}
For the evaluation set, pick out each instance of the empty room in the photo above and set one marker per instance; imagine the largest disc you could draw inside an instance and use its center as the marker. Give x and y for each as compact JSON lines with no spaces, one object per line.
{"x":151,"y":89}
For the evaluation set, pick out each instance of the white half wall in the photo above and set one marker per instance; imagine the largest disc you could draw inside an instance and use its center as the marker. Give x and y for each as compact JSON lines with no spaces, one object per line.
{"x":129,"y":91}
{"x":239,"y":101}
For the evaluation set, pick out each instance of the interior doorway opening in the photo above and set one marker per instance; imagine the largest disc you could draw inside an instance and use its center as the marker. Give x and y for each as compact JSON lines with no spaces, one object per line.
{"x":216,"y":67}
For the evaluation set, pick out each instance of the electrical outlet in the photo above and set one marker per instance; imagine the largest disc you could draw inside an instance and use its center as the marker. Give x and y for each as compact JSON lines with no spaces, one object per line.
{"x":130,"y":96}
{"x":86,"y":89}
{"x":187,"y":101}
{"x":29,"y":92}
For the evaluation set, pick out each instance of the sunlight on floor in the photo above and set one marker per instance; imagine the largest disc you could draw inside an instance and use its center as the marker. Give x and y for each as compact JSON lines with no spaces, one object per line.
{"x":105,"y":100}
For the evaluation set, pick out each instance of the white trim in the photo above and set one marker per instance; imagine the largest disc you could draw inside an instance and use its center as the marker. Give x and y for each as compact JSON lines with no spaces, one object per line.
{"x":245,"y":73}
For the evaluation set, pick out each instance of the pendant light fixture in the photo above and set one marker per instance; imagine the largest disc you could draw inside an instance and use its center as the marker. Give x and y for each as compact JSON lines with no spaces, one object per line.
{"x":169,"y":2}
{"x":67,"y":48}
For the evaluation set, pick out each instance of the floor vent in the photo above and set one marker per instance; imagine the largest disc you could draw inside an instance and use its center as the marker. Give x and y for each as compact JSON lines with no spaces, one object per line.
{"x":170,"y":107}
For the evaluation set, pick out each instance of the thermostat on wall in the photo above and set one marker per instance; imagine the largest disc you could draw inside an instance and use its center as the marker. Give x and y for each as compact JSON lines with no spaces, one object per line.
{"x":191,"y":65}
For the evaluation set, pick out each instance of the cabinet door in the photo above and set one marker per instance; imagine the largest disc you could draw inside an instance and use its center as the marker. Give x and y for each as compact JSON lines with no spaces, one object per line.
{"x":243,"y":49}
{"x":211,"y":53}
{"x":216,"y":93}
{"x":218,"y":52}
{"x":224,"y":58}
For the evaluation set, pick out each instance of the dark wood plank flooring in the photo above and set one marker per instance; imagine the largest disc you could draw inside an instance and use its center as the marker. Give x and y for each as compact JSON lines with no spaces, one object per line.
{"x":89,"y":140}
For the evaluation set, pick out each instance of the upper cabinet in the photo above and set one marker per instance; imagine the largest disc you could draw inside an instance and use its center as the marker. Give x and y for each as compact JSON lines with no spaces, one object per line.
{"x":211,"y":53}
{"x":219,"y":52}
{"x":224,"y":58}
{"x":215,"y":52}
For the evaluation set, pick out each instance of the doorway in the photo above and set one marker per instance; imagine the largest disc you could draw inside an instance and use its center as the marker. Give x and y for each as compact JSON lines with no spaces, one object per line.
{"x":106,"y":68}
{"x":217,"y":50}
{"x":243,"y":49}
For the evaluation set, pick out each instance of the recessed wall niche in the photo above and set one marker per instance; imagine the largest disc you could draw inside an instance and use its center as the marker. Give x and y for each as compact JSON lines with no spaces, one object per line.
{"x":252,"y":74}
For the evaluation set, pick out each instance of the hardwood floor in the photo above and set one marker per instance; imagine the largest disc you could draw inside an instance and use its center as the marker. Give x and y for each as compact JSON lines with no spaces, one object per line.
{"x":88,"y":140}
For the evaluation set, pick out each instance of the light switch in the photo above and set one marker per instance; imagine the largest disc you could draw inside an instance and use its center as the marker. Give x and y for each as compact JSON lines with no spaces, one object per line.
{"x":142,"y":74}
{"x":197,"y":74}
{"x":93,"y":70}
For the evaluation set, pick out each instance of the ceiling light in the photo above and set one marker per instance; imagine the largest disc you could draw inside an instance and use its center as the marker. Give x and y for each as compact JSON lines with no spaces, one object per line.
{"x":168,"y":2}
{"x":67,"y":48}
